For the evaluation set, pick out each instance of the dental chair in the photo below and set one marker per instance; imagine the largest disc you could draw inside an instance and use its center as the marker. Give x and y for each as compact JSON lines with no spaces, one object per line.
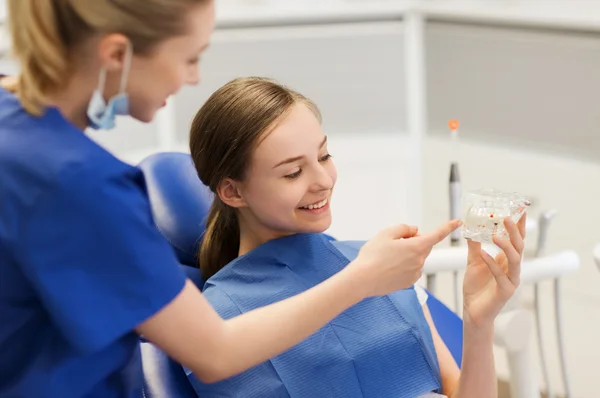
{"x":180,"y":205}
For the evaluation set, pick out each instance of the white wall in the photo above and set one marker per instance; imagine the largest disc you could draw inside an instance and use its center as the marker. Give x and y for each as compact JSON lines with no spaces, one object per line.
{"x":2,"y":10}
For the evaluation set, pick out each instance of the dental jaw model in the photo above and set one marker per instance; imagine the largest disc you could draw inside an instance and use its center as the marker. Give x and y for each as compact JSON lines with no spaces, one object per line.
{"x":484,"y":212}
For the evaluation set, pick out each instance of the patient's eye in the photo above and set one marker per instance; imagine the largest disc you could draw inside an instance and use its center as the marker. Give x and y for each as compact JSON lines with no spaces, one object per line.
{"x":294,"y":175}
{"x":325,"y":158}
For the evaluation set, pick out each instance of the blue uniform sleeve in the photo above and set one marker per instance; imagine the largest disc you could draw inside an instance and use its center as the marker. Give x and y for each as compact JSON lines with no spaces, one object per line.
{"x":257,"y":382}
{"x":91,"y":250}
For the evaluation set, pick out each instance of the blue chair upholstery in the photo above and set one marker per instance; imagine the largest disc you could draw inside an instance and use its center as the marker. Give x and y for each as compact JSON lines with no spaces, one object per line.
{"x":448,"y":325}
{"x":180,"y":205}
{"x":180,"y":202}
{"x":163,"y":377}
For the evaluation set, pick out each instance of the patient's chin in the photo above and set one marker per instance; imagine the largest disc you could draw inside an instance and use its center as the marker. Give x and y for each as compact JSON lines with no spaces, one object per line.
{"x":316,"y":227}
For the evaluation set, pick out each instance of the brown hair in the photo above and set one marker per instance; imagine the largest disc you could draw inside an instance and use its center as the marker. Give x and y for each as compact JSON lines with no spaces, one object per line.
{"x":45,"y":34}
{"x":224,"y":134}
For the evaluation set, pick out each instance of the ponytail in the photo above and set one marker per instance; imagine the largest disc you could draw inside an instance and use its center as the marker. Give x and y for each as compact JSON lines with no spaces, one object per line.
{"x":38,"y":45}
{"x":221,"y":241}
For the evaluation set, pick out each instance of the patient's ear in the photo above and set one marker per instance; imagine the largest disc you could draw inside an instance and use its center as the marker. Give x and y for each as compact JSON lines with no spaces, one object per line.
{"x":229,"y":193}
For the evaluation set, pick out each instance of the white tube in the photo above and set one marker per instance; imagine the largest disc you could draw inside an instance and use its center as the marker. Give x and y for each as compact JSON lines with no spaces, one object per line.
{"x":512,"y":329}
{"x":561,"y":338}
{"x":532,"y":271}
{"x":549,"y":267}
{"x":540,"y":341}
{"x":523,"y":378}
{"x":445,"y":259}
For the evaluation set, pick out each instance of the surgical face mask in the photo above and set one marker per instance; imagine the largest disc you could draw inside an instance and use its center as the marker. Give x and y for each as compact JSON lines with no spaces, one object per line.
{"x":102,"y":115}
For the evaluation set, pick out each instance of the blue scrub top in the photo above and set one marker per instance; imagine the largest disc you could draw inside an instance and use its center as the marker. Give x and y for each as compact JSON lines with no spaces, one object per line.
{"x":81,"y":262}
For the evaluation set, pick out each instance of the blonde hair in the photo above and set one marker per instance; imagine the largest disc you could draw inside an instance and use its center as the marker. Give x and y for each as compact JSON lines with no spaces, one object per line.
{"x":223,"y":136}
{"x":45,"y":32}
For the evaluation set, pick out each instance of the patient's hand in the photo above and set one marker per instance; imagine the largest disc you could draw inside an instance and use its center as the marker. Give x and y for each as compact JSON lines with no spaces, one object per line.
{"x":490,"y":282}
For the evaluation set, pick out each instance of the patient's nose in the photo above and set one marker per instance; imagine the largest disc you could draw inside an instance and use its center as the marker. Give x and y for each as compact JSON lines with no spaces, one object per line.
{"x":323,"y":180}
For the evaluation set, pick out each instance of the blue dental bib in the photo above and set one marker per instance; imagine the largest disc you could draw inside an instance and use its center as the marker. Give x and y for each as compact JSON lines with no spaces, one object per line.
{"x":379,"y":348}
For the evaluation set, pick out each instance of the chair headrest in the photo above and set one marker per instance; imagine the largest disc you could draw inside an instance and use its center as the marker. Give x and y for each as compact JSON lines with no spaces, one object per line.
{"x":180,"y":202}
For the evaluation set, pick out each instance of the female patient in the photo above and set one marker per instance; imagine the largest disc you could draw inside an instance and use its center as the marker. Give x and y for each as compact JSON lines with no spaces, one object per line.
{"x":260,"y":147}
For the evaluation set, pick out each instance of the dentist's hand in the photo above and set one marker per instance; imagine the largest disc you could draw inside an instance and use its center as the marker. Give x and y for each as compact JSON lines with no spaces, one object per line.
{"x":490,"y":282}
{"x":394,"y":258}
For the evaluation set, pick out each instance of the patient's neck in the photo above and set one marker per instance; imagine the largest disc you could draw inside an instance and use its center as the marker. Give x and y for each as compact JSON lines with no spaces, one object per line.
{"x":248,"y":243}
{"x":254,"y":234}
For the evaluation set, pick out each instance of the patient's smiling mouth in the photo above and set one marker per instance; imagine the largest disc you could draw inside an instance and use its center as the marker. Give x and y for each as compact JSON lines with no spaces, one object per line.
{"x":316,"y":208}
{"x":316,"y":205}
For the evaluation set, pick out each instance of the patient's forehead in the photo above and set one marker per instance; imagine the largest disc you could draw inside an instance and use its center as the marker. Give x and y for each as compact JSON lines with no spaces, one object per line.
{"x":298,"y":134}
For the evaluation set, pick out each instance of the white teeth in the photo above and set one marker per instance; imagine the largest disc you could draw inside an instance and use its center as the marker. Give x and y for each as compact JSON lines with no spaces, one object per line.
{"x":316,"y":205}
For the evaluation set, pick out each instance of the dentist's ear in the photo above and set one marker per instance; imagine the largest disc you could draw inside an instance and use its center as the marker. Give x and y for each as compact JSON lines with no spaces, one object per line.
{"x":112,"y":51}
{"x":229,"y":193}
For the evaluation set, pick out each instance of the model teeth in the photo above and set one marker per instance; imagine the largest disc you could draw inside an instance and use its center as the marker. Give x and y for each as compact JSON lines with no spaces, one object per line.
{"x":316,"y":205}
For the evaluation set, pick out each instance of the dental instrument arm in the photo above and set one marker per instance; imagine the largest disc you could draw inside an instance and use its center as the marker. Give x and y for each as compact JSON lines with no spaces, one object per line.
{"x":547,"y":267}
{"x":445,"y":259}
